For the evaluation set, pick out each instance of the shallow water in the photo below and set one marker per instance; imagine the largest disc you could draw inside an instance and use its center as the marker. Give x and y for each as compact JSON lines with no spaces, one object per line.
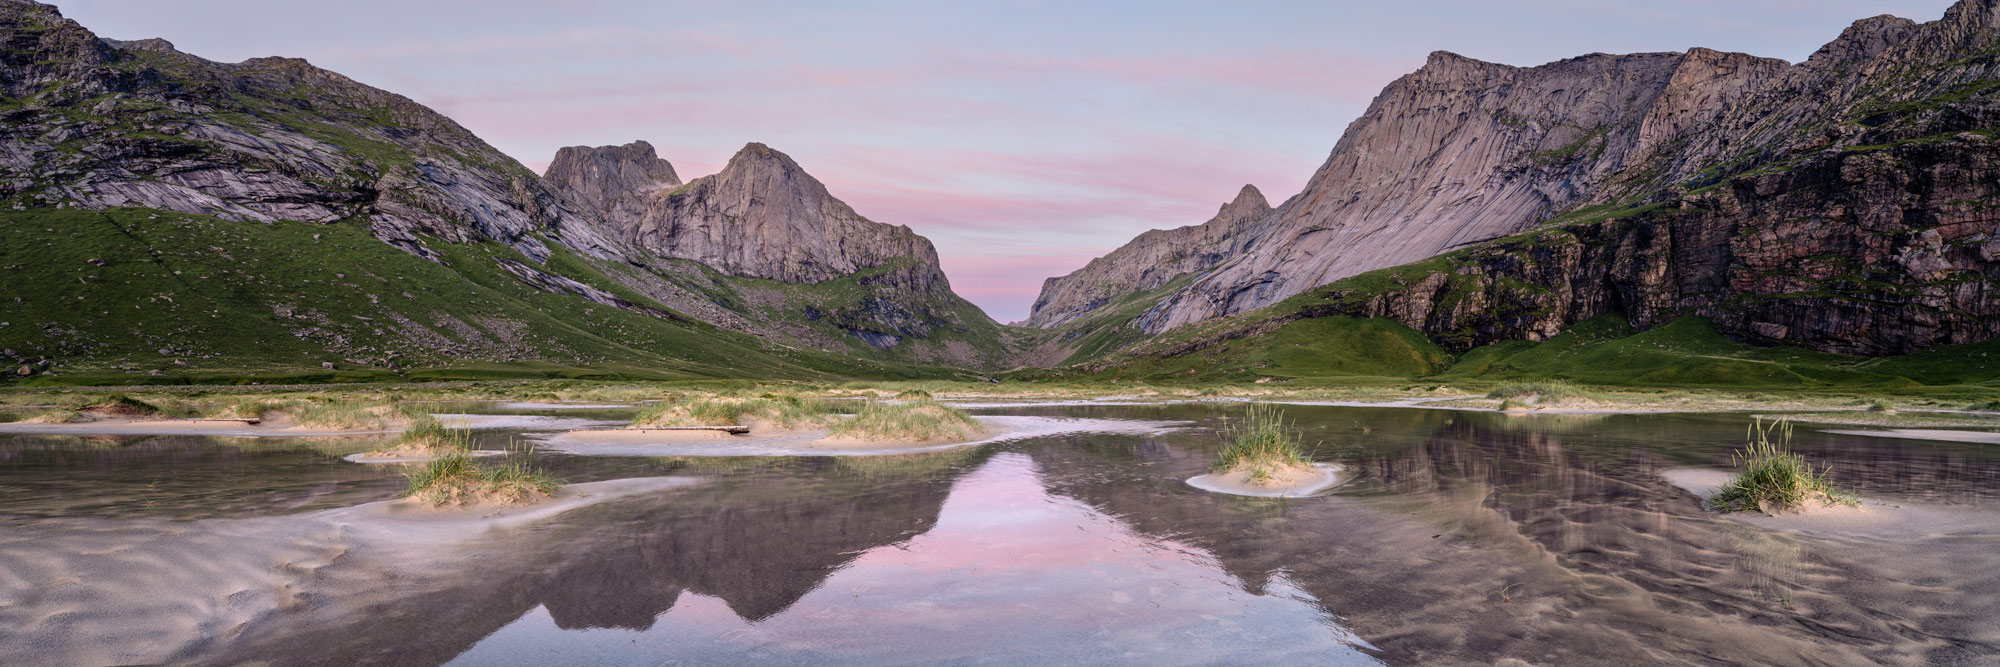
{"x":1464,"y":538}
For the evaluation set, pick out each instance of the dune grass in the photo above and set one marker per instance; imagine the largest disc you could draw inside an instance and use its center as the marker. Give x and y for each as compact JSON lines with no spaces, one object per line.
{"x":1263,"y":445}
{"x":923,"y":421}
{"x":120,"y":405}
{"x":351,"y":415}
{"x":455,"y":479}
{"x":1542,"y":392}
{"x":55,"y":416}
{"x":1772,"y":478}
{"x":424,"y":437}
{"x":788,"y":411}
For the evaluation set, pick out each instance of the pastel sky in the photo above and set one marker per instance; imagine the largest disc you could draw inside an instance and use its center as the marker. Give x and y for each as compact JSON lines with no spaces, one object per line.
{"x":1024,"y":138}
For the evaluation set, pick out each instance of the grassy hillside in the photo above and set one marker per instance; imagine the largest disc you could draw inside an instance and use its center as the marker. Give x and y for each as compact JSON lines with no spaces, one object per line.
{"x":1331,"y":348}
{"x":1686,"y":353}
{"x":144,"y":296}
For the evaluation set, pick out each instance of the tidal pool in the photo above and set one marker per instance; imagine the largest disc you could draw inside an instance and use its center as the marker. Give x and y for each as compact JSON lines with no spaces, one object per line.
{"x":1463,"y":538}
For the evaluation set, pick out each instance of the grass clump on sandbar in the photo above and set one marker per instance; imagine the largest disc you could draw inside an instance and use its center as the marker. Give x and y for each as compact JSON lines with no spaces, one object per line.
{"x":56,"y":416}
{"x":426,"y":437}
{"x":120,"y":405}
{"x":1520,"y":395}
{"x":457,"y":480}
{"x":1263,"y":448}
{"x":920,"y":421}
{"x":351,"y":415}
{"x":784,"y":412}
{"x":1774,"y":479}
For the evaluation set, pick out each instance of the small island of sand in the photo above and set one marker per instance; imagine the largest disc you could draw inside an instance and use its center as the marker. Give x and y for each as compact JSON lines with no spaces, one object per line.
{"x":117,"y":414}
{"x":1265,"y":459}
{"x":795,"y":423}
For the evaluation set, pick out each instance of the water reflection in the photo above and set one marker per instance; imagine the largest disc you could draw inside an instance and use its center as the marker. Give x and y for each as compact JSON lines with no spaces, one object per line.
{"x":1005,"y":569}
{"x":1467,"y":538}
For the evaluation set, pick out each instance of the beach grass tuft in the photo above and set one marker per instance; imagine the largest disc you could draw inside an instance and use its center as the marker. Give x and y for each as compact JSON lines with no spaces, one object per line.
{"x":455,"y":479}
{"x":915,"y":421}
{"x":1263,"y":445}
{"x":1772,"y":478}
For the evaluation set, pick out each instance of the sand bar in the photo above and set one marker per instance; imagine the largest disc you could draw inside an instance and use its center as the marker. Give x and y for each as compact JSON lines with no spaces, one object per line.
{"x":635,"y":442}
{"x":1324,"y":478}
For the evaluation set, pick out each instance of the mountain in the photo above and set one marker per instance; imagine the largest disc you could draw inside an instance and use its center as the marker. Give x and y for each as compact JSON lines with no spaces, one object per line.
{"x":611,"y":182}
{"x":765,"y":248}
{"x":166,"y":218}
{"x":1841,"y":204}
{"x":1149,"y":261}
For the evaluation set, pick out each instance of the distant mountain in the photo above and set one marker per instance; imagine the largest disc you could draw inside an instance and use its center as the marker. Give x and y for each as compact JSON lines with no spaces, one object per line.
{"x":1149,"y":261}
{"x":167,"y":217}
{"x":781,"y":255}
{"x":1841,"y":204}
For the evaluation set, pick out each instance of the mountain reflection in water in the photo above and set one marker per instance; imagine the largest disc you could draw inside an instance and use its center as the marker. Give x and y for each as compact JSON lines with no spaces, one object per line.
{"x":1464,"y":538}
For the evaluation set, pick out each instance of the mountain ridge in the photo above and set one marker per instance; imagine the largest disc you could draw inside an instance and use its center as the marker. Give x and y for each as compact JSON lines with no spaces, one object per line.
{"x":1485,"y":152}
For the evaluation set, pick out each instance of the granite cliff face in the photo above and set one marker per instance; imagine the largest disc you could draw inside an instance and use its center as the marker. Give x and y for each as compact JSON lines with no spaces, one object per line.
{"x":1148,"y":262}
{"x":613,"y":183}
{"x":763,"y":216}
{"x":841,"y":281}
{"x":1839,"y":203}
{"x":101,"y":123}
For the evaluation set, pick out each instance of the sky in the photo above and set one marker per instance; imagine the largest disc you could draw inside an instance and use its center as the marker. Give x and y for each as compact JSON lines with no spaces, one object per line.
{"x":1022,"y":138}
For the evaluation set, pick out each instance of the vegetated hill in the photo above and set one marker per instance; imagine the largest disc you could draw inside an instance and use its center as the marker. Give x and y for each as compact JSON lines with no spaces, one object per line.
{"x":1843,"y":204}
{"x":165,"y":217}
{"x":142,"y":295}
{"x":764,"y":247}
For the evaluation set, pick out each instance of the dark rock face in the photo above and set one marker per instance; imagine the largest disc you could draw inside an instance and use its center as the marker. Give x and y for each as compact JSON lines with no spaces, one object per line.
{"x":1840,"y":203}
{"x":104,"y":123}
{"x":1874,"y":252}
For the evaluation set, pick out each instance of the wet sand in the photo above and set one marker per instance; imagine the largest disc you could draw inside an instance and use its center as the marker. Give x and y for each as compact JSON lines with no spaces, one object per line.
{"x":364,"y":457}
{"x":533,"y":405}
{"x":1898,"y":521}
{"x":1323,"y":478}
{"x":269,"y":428}
{"x":641,"y":442}
{"x":146,"y":591}
{"x":1983,"y":437}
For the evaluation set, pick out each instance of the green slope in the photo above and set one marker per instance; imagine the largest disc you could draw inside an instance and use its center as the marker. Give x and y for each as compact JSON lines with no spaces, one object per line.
{"x":1331,"y":348}
{"x":1688,"y":352}
{"x":101,"y":295}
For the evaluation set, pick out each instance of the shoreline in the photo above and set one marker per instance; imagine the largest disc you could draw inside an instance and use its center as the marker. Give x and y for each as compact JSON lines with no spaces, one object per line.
{"x":1326,"y":477}
{"x":614,"y":442}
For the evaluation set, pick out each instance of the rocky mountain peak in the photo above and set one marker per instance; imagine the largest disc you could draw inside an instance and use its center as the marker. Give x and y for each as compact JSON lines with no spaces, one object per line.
{"x":1974,"y":13}
{"x":759,"y":166}
{"x":1153,"y":259}
{"x":1865,"y":39}
{"x":611,"y":182}
{"x":1249,"y":204}
{"x":763,"y":216}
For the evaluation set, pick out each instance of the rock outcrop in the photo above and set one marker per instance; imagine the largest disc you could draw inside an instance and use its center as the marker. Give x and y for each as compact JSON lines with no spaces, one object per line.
{"x":613,"y":183}
{"x":763,"y":216}
{"x":1838,"y":203}
{"x":863,"y":286}
{"x":100,"y":123}
{"x":1153,"y":259}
